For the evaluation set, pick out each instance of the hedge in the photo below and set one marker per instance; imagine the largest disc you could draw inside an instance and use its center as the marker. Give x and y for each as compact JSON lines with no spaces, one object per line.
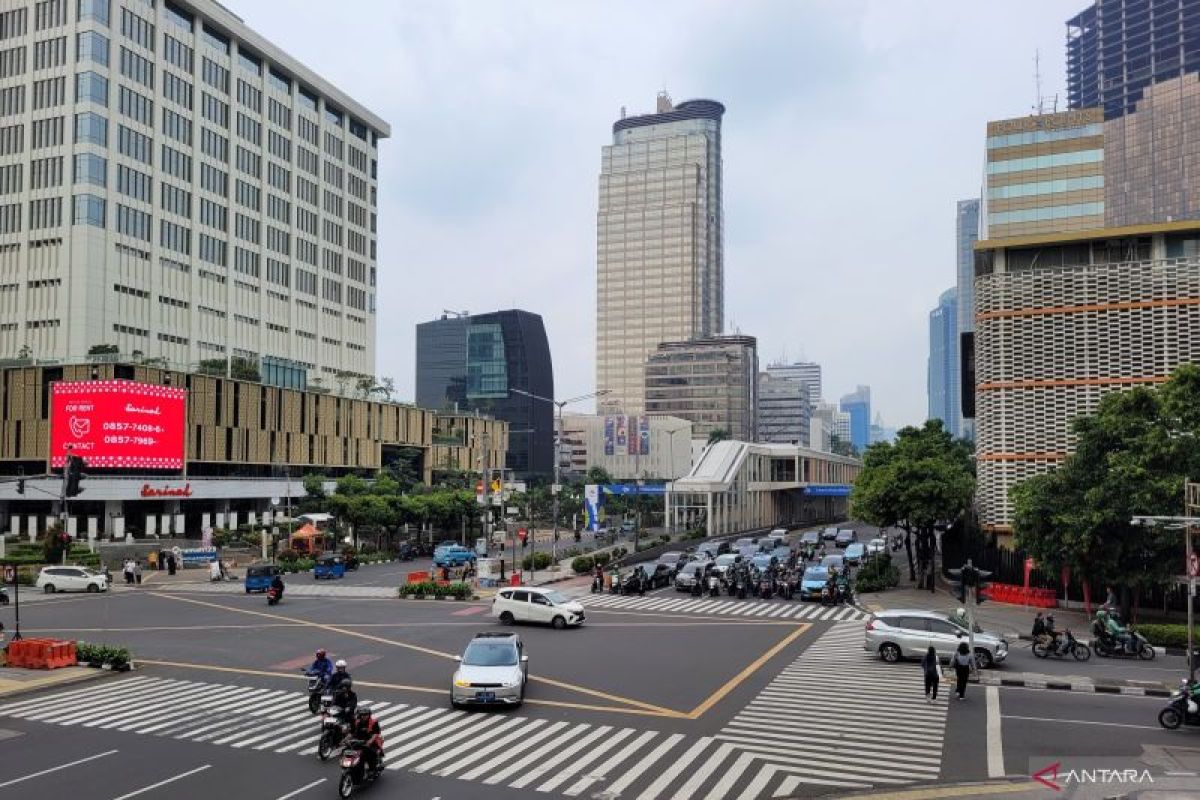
{"x":1166,"y":635}
{"x":97,"y":654}
{"x":876,"y":575}
{"x":601,"y":558}
{"x":536,"y":561}
{"x":458,"y":590}
{"x":298,"y":565}
{"x":583,"y":564}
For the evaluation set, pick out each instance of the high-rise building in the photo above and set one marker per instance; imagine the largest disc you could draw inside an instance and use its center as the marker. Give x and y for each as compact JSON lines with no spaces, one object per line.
{"x":712,"y":383}
{"x":180,"y":189}
{"x":784,"y":410}
{"x":473,"y":363}
{"x":858,"y":405}
{"x":1116,"y":48}
{"x":807,"y":372}
{"x":942,"y":378}
{"x":966,"y":234}
{"x":659,"y":242}
{"x":628,"y":447}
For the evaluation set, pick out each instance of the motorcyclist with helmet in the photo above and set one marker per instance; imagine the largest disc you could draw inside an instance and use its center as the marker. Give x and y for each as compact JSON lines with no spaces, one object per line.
{"x":339,"y":675}
{"x":321,"y":666}
{"x":366,"y":729}
{"x":1111,"y":627}
{"x":345,"y":698}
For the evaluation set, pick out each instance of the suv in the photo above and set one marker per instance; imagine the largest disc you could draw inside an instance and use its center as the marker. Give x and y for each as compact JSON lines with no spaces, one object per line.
{"x":810,"y":537}
{"x":907,"y":633}
{"x":844,"y":537}
{"x":453,"y":556}
{"x":535,"y":604}
{"x":71,"y":579}
{"x":492,"y":670}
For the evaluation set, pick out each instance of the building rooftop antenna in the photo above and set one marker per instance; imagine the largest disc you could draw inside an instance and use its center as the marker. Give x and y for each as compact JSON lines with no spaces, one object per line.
{"x":1037,"y":83}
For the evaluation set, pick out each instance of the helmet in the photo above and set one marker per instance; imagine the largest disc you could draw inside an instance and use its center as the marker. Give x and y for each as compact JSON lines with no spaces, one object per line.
{"x":320,"y":652}
{"x":962,"y":612}
{"x":346,"y":685}
{"x":340,"y":663}
{"x":362,"y":712}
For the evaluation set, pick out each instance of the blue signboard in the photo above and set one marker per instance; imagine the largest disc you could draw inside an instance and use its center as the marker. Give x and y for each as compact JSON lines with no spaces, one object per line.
{"x":633,"y":488}
{"x":827,"y":491}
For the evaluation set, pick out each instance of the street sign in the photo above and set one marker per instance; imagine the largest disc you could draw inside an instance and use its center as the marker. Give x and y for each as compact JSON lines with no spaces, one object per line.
{"x":1194,"y":565}
{"x":10,"y":573}
{"x":512,"y":511}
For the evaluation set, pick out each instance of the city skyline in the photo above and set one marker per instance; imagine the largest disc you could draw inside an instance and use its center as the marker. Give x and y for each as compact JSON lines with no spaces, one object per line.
{"x":503,"y":193}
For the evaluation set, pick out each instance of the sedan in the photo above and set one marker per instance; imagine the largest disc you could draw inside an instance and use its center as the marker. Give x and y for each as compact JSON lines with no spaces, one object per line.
{"x":685,"y":579}
{"x":747,"y":551}
{"x":829,"y":534}
{"x":713,"y":549}
{"x":845,"y":537}
{"x":745,"y":541}
{"x":855,"y":552}
{"x":763,"y":561}
{"x":71,"y":579}
{"x":672,"y":560}
{"x":836,"y":561}
{"x":876,"y":546}
{"x":723,"y":563}
{"x":492,"y":670}
{"x":812,"y":582}
{"x":660,"y":575}
{"x":810,"y":538}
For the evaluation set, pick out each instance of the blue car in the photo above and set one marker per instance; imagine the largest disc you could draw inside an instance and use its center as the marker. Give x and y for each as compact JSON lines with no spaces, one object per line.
{"x":455,"y":556}
{"x":854,"y":553}
{"x":258,"y":578}
{"x":329,"y":567}
{"x":813,"y":582}
{"x":762,"y":561}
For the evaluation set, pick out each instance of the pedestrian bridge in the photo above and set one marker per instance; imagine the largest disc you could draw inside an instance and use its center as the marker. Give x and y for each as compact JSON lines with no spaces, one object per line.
{"x":740,"y":486}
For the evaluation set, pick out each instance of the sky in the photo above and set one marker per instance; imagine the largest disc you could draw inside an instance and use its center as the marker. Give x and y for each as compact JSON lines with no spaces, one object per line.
{"x":852,"y":128}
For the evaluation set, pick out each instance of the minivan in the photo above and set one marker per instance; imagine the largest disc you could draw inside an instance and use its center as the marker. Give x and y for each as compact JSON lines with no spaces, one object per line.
{"x":900,"y":633}
{"x":535,"y":604}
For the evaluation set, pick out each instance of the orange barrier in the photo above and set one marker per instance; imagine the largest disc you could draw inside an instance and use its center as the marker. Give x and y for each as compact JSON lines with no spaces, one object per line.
{"x":417,"y":577}
{"x":41,"y":653}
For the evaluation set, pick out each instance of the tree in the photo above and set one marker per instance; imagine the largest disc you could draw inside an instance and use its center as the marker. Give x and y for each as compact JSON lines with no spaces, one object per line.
{"x":598,"y":475}
{"x":718,"y":435}
{"x":103,"y":350}
{"x":921,"y":480}
{"x":1131,"y":458}
{"x":386,"y":387}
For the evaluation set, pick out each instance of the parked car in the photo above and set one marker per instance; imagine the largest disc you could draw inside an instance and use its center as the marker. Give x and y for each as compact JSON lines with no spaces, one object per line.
{"x":876,"y":546}
{"x":714,"y":549}
{"x":844,"y":537}
{"x":812,"y":582}
{"x":673,"y":560}
{"x":810,"y":538}
{"x":836,"y":561}
{"x":855,"y":552}
{"x":628,"y":526}
{"x":899,"y":633}
{"x":535,"y":604}
{"x":829,"y":534}
{"x":492,"y":670}
{"x":329,"y":567}
{"x":71,"y":579}
{"x":453,"y":556}
{"x":685,"y":578}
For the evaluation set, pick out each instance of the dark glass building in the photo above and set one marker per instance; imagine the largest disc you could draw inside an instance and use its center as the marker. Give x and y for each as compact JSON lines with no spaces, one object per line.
{"x":1116,"y":48}
{"x":471,"y":363}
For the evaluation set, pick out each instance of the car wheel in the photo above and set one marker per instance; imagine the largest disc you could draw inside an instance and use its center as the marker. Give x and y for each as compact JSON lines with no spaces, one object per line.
{"x":93,"y":588}
{"x":48,"y":588}
{"x":454,"y":704}
{"x":559,"y":623}
{"x":506,"y":618}
{"x":889,"y":653}
{"x":983,"y":658}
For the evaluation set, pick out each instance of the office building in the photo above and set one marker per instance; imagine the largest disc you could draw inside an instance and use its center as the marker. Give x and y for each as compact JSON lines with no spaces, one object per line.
{"x":784,"y":410}
{"x":966,"y":234}
{"x":807,"y":372}
{"x":858,"y":405}
{"x":472,"y":363}
{"x":648,"y":447}
{"x":1117,"y":48}
{"x":179,"y":189}
{"x":712,"y":383}
{"x":828,"y":424}
{"x":881,"y":432}
{"x":659,"y":242}
{"x":942,"y":379}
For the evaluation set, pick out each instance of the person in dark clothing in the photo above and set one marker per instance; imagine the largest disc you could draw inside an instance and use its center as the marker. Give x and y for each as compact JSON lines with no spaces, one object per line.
{"x":933,"y":674}
{"x":961,"y":661}
{"x":366,"y":729}
{"x":345,"y":698}
{"x":170,"y":563}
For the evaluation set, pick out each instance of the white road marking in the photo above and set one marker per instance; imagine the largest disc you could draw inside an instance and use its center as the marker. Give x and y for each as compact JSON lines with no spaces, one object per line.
{"x":172,"y":779}
{"x":995,"y":742}
{"x":302,"y":789}
{"x":68,"y":765}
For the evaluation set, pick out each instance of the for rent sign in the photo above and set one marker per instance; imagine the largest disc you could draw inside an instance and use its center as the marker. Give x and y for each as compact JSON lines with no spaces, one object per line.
{"x":121,"y":424}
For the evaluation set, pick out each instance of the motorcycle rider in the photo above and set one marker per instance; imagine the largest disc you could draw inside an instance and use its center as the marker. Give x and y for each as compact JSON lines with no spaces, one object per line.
{"x":339,"y":675}
{"x":1058,"y":643}
{"x":598,"y":578}
{"x":277,"y":585}
{"x":698,"y":583}
{"x":321,"y":666}
{"x":1112,"y":628}
{"x":345,"y":698}
{"x":366,"y":728}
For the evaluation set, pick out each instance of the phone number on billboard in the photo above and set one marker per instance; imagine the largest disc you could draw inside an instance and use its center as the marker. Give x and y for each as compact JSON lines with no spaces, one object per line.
{"x":148,"y":441}
{"x":132,"y":426}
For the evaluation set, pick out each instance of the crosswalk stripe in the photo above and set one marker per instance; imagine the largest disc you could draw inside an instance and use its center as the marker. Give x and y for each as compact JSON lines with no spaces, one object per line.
{"x":72,"y":713}
{"x":601,"y":771}
{"x":486,"y":750}
{"x":527,"y":740}
{"x":836,"y":716}
{"x":70,"y":707}
{"x":545,"y":766}
{"x":419,"y":747}
{"x":184,"y":708}
{"x":677,"y":767}
{"x":283,"y":720}
{"x":539,"y":755}
{"x":508,"y":771}
{"x":633,"y":773}
{"x":588,"y":758}
{"x":779,"y":611}
{"x":730,"y":777}
{"x":896,"y":741}
{"x":701,"y":774}
{"x":874,"y":770}
{"x":844,"y":752}
{"x":454,"y":752}
{"x":125,"y":684}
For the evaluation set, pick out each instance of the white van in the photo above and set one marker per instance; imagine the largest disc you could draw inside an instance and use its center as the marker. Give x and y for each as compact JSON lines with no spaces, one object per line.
{"x":535,"y":604}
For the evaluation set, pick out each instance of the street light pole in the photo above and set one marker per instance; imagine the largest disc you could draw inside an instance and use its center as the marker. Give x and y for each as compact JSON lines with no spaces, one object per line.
{"x":1184,"y":523}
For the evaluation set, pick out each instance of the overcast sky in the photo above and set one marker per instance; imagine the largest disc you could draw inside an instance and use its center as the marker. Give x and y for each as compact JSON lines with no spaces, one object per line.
{"x":851,"y":129}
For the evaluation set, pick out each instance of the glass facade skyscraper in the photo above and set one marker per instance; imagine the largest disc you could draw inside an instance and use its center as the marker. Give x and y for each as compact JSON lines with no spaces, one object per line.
{"x":966,"y":234}
{"x":473,"y":363}
{"x":942,"y":374}
{"x":858,"y":405}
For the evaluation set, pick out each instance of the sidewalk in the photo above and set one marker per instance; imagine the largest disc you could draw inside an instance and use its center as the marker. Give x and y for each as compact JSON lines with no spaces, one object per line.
{"x":15,"y":682}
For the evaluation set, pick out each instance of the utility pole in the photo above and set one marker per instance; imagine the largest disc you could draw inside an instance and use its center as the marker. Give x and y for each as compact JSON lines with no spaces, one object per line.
{"x":485,"y":471}
{"x":1190,"y":520}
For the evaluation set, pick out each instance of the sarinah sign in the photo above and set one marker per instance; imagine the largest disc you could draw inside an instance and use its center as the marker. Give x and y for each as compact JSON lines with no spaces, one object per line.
{"x":121,"y":424}
{"x":166,"y":491}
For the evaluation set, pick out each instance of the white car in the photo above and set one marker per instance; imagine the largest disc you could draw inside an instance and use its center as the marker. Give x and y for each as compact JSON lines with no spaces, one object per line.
{"x":534,"y":604}
{"x":71,"y":579}
{"x":876,"y":546}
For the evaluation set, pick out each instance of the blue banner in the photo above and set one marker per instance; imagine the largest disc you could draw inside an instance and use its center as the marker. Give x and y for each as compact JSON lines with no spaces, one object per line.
{"x":633,"y":488}
{"x":609,"y":435}
{"x":827,"y":491}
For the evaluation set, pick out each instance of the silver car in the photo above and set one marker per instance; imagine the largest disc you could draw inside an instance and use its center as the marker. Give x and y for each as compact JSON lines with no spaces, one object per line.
{"x":492,"y":671}
{"x":909,"y":633}
{"x":685,"y":579}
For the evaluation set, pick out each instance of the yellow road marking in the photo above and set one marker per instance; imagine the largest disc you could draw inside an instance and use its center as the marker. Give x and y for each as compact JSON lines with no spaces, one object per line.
{"x":750,"y":669}
{"x":395,"y":686}
{"x":428,"y":651}
{"x":955,"y":791}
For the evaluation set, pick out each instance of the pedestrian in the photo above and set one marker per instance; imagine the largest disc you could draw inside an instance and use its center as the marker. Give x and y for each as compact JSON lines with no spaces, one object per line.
{"x":170,"y":563}
{"x":933,"y":674}
{"x":962,"y":669}
{"x":128,"y":570}
{"x":137,"y":572}
{"x":1110,"y":601}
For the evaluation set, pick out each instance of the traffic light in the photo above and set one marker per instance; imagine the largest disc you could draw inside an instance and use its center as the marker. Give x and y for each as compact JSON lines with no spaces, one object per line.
{"x":958,"y":584}
{"x":20,"y":480}
{"x":981,"y":585}
{"x":74,"y":472}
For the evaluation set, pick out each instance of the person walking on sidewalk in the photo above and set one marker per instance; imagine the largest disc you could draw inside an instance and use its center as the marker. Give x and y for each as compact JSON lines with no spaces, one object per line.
{"x":961,"y":661}
{"x":933,"y":674}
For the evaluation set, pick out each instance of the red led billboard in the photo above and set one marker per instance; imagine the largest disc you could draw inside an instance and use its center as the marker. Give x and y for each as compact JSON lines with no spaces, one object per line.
{"x":118,"y":424}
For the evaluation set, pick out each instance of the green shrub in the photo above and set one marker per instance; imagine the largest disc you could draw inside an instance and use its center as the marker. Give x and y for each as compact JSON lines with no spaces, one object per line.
{"x":583,"y":564}
{"x":694,"y":533}
{"x":297,"y":565}
{"x":536,"y":561}
{"x":619,"y":552}
{"x":102,"y":654}
{"x":601,"y":558}
{"x":664,"y":538}
{"x":433,"y":589}
{"x":1166,"y":635}
{"x":876,"y":575}
{"x":287,"y":554}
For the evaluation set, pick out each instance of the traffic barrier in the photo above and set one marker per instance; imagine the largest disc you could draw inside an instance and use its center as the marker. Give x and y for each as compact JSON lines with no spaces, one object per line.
{"x":514,"y":579}
{"x":417,"y":577}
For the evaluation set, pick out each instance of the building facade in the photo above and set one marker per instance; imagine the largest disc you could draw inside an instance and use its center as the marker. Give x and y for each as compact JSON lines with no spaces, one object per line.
{"x":784,"y":410}
{"x":942,"y":378}
{"x":176,"y":186}
{"x":712,"y":383}
{"x":1117,"y":48}
{"x":966,"y":228}
{"x":662,"y":446}
{"x":474,"y":363}
{"x":807,"y":372}
{"x":858,"y":405}
{"x":659,"y":243}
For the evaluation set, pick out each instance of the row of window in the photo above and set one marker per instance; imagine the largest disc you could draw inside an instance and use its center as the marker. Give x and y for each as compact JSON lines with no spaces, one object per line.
{"x":1045,"y":187}
{"x":1045,"y":213}
{"x":1044,"y":162}
{"x":1040,"y":137}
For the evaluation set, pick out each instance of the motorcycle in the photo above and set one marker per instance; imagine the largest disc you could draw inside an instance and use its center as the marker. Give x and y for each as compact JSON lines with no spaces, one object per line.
{"x":335,"y":729}
{"x":273,"y":596}
{"x":3,"y":596}
{"x":714,"y":586}
{"x":1048,"y":645}
{"x":317,"y":685}
{"x":785,"y":588}
{"x":827,"y":597}
{"x":1182,"y":708}
{"x":598,"y":584}
{"x":764,"y":588}
{"x":354,"y":769}
{"x":1108,"y":647}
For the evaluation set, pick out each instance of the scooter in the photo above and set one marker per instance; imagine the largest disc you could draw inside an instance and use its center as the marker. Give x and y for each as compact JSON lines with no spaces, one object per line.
{"x":714,"y":586}
{"x":1182,"y":708}
{"x":354,"y":769}
{"x":598,"y":584}
{"x":3,"y":596}
{"x":827,"y":597}
{"x":335,"y":729}
{"x":764,"y":588}
{"x":317,"y":685}
{"x":1048,"y":645}
{"x":1107,"y":647}
{"x":273,"y":596}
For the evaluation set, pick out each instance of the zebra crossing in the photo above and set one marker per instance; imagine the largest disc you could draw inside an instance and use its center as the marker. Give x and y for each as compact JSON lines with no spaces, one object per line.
{"x":762,"y":609}
{"x":827,"y":720}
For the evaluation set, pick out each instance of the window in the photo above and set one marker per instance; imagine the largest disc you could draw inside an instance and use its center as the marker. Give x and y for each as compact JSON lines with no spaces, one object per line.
{"x":89,"y":210}
{"x":91,"y":128}
{"x":332,"y":261}
{"x":308,"y":161}
{"x":11,"y":178}
{"x":249,"y":162}
{"x":306,"y":251}
{"x":333,"y":233}
{"x":178,"y":17}
{"x":49,"y":14}
{"x":132,"y":222}
{"x":133,"y":183}
{"x":12,"y":23}
{"x":214,"y":215}
{"x":137,"y":30}
{"x":49,"y":93}
{"x":91,"y":168}
{"x":307,"y":129}
{"x":279,"y":146}
{"x":91,"y":87}
{"x":177,"y":126}
{"x":358,"y":129}
{"x":133,"y":144}
{"x":47,"y":132}
{"x":12,"y":61}
{"x":279,"y":209}
{"x":249,"y":62}
{"x":176,"y":164}
{"x":307,"y":191}
{"x":279,"y":114}
{"x":91,"y":46}
{"x":214,"y":75}
{"x":177,"y":53}
{"x":333,"y":174}
{"x":211,"y":249}
{"x":278,"y":81}
{"x":279,"y":177}
{"x":248,"y":195}
{"x":214,"y":39}
{"x":334,"y":146}
{"x":246,"y":262}
{"x":333,"y":203}
{"x":249,"y":129}
{"x":333,"y":117}
{"x":137,"y":68}
{"x":10,"y":219}
{"x":94,"y":10}
{"x":214,"y":145}
{"x":136,"y":106}
{"x":278,"y":272}
{"x":306,"y":282}
{"x":177,"y":90}
{"x":279,"y":241}
{"x":249,"y":96}
{"x":12,"y":101}
{"x":174,"y":237}
{"x":306,"y":221}
{"x":46,"y":213}
{"x":247,"y":228}
{"x":214,"y":110}
{"x":214,"y":180}
{"x":45,"y":173}
{"x":49,"y":53}
{"x":176,"y":200}
{"x":358,"y":160}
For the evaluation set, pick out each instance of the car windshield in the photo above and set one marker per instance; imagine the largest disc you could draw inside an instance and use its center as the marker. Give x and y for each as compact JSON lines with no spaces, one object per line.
{"x":955,"y":622}
{"x":490,"y":654}
{"x":669,"y":558}
{"x":831,"y":561}
{"x":557,"y":598}
{"x":815,"y":574}
{"x":725,"y":559}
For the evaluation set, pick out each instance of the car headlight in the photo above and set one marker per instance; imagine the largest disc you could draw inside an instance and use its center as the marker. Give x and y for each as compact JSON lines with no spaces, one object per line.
{"x":461,"y":683}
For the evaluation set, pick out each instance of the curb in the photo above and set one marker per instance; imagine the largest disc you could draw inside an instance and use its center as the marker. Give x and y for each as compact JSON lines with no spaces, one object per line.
{"x":1063,"y":686}
{"x":90,"y":675}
